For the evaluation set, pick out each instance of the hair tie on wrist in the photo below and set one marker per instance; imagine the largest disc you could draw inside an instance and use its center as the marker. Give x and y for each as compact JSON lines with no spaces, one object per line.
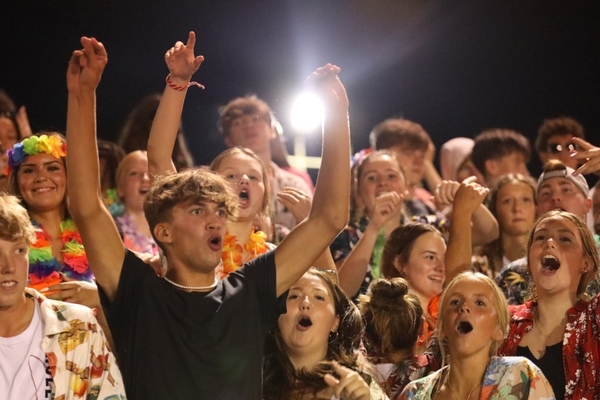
{"x":181,"y":88}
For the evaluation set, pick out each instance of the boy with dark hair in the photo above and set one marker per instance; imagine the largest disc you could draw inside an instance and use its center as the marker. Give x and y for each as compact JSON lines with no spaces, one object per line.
{"x":500,"y":151}
{"x":555,"y":140}
{"x":189,"y":335}
{"x":48,"y":349}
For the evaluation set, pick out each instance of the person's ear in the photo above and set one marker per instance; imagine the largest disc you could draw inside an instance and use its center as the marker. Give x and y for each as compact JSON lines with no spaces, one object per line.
{"x":228,"y":141}
{"x":586,"y":266}
{"x":588,"y":205}
{"x":398,"y":266}
{"x":162,"y":232}
{"x":336,"y":324}
{"x":498,"y":335}
{"x":273,"y":134}
{"x":491,"y":167}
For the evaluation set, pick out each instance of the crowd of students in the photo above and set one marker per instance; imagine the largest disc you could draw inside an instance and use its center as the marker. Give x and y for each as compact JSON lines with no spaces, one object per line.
{"x":133,"y":273}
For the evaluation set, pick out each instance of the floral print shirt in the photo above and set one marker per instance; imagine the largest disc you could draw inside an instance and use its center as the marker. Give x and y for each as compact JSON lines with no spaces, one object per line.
{"x":394,"y":377}
{"x":581,"y":345}
{"x":77,"y":353}
{"x":505,"y":378}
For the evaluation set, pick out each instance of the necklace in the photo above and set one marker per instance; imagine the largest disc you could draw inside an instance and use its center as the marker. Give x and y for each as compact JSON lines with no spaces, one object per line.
{"x":44,"y":267}
{"x":454,"y":393}
{"x":547,"y":337}
{"x":452,"y":389}
{"x":234,"y":255}
{"x":177,"y":285}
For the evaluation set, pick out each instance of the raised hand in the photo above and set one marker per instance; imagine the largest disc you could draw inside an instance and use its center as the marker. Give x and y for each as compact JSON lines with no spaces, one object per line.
{"x":86,"y":66}
{"x":350,"y":385}
{"x":296,"y":201}
{"x":387,"y":206}
{"x":469,"y":195}
{"x":445,"y":192}
{"x":325,"y":82}
{"x":181,"y":61}
{"x":589,"y":155}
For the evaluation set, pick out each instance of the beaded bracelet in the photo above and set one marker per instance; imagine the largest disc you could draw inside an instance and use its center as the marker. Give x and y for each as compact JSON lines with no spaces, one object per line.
{"x":181,"y":88}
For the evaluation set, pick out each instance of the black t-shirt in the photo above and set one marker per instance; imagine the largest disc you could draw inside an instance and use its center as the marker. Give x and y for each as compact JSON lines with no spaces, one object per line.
{"x":173,"y":344}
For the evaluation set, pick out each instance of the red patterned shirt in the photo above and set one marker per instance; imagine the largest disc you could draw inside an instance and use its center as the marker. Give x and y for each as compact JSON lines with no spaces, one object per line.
{"x":581,"y":345}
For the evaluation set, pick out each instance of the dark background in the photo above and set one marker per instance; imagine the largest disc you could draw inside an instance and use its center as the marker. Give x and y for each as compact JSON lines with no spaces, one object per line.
{"x":456,"y":67}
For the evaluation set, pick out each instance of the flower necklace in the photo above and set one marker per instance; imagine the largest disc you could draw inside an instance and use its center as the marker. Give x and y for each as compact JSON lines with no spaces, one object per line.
{"x":232,"y":256}
{"x":44,"y":268}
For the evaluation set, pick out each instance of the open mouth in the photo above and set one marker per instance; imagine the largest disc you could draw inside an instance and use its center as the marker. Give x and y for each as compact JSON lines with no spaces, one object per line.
{"x":244,"y":197}
{"x":305,"y":322}
{"x":464,"y":327}
{"x":550,"y":263}
{"x":215,"y":243}
{"x":435,"y":278}
{"x":144,"y":191}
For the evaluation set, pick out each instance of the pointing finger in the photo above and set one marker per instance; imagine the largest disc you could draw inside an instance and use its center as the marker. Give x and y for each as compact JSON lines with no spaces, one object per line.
{"x":191,"y":42}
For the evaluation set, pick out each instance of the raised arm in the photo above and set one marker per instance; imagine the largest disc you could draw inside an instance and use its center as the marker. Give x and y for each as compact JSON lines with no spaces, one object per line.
{"x":484,"y":227}
{"x":353,"y":268}
{"x":331,"y":202}
{"x":103,"y":245}
{"x":182,"y":65}
{"x":458,"y":255}
{"x":299,"y":203}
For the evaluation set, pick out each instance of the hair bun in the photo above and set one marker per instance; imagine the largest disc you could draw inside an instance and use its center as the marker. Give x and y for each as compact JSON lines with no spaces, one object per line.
{"x":386,"y":293}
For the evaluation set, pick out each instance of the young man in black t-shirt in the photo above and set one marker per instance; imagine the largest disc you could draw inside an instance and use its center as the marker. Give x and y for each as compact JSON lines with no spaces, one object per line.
{"x":187,"y":335}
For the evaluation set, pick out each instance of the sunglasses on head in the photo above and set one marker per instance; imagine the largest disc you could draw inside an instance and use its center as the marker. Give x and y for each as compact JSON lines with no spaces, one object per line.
{"x":558,"y":148}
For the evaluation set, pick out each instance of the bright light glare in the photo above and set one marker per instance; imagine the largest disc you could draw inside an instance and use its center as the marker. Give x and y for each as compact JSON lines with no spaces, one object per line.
{"x":307,"y":112}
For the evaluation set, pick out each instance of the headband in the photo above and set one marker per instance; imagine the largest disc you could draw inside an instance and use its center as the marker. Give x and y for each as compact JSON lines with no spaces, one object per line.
{"x":32,"y":145}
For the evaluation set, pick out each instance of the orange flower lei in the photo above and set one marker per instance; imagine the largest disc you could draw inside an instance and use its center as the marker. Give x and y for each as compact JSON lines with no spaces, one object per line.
{"x":232,"y":257}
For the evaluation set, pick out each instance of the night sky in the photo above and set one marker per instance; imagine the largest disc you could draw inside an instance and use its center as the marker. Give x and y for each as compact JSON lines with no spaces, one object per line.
{"x":455,"y":67}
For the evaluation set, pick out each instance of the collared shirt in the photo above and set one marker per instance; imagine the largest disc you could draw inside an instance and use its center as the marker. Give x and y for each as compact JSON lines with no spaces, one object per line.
{"x":505,"y":378}
{"x":581,"y":345}
{"x":78,"y":355}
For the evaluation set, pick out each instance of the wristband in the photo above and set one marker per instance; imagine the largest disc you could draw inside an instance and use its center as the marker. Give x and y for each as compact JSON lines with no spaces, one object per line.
{"x":181,"y":88}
